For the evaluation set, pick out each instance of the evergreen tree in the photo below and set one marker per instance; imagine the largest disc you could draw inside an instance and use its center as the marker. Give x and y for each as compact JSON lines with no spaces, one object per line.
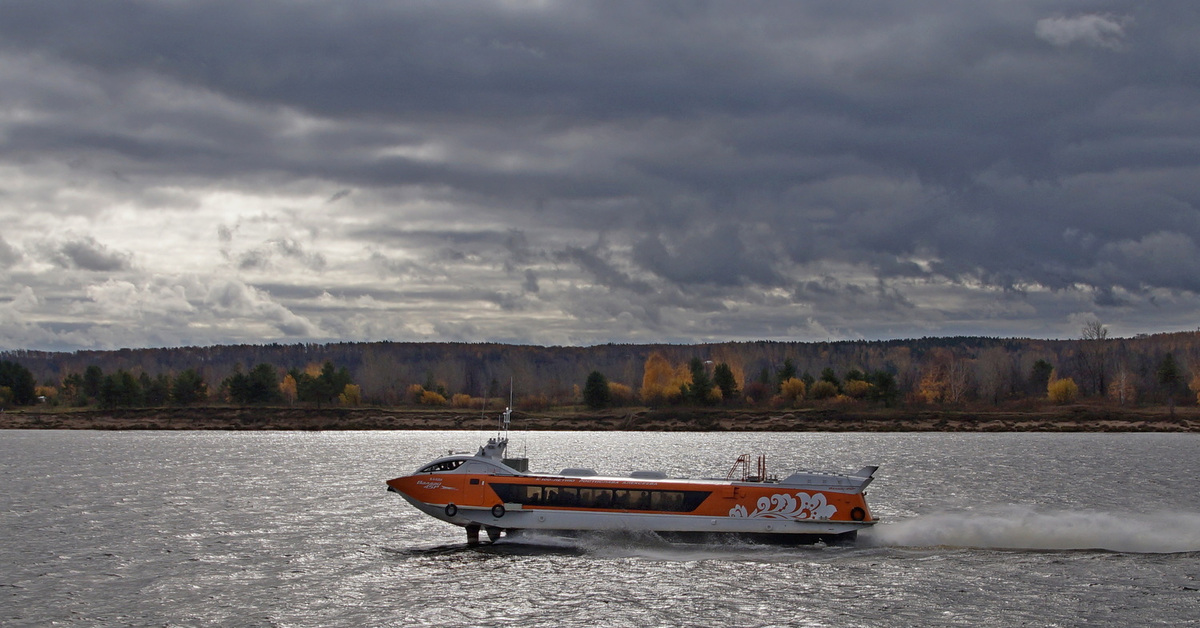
{"x":1169,"y":378}
{"x":120,"y":390}
{"x":93,"y":378}
{"x":263,"y":385}
{"x":1039,"y":376}
{"x":698,"y":391}
{"x":157,"y":391}
{"x":323,"y":388}
{"x":785,"y":372}
{"x":596,"y":393}
{"x":723,"y":378}
{"x":260,"y":385}
{"x":883,"y":387}
{"x":827,"y":375}
{"x":19,"y":381}
{"x":189,"y":388}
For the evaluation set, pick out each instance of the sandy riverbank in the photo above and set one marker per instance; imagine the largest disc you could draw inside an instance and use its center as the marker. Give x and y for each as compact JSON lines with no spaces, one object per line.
{"x":1055,"y":419}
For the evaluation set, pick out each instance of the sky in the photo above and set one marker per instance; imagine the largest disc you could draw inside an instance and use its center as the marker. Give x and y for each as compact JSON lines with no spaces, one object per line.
{"x":182,"y":172}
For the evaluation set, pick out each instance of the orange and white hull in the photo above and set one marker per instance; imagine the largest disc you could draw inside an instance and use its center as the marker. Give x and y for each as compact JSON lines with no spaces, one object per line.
{"x":483,"y":492}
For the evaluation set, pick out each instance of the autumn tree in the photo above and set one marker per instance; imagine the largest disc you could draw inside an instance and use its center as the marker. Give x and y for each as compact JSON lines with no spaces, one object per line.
{"x":432,"y":398}
{"x":1121,"y":389}
{"x":287,"y":389}
{"x":661,"y":382}
{"x":946,"y":378}
{"x":856,"y":388}
{"x":822,"y":390}
{"x":620,"y":394}
{"x":351,"y":395}
{"x":932,"y":387}
{"x":47,"y":394}
{"x":1062,"y":390}
{"x":1194,"y":386}
{"x":793,"y":390}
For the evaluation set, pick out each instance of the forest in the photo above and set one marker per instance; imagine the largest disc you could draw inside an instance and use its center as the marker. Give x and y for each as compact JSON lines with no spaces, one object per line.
{"x":1148,"y":369}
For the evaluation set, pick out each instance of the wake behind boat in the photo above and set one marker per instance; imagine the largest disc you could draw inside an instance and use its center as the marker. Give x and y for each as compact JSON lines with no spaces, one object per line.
{"x":490,"y":492}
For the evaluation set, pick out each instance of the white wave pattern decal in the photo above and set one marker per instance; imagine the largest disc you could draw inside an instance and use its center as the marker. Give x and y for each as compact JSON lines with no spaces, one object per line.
{"x":787,"y":506}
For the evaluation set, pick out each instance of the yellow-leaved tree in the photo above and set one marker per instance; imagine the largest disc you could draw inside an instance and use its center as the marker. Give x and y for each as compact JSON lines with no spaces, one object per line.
{"x":1063,"y":390}
{"x":793,"y":389}
{"x":1194,"y":386}
{"x":856,"y":388}
{"x":620,"y":394}
{"x":662,"y":382}
{"x":431,"y":398}
{"x":351,"y":395}
{"x":288,"y":389}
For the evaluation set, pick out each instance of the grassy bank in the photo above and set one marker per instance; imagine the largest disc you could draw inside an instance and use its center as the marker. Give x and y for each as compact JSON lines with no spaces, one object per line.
{"x":1051,"y":419}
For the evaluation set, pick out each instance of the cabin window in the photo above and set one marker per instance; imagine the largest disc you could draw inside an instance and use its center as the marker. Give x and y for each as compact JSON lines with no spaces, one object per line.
{"x":599,"y":497}
{"x":445,"y":465}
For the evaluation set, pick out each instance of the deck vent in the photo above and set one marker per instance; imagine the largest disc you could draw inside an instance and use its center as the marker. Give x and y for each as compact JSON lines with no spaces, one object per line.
{"x":648,"y":475}
{"x":579,"y":473}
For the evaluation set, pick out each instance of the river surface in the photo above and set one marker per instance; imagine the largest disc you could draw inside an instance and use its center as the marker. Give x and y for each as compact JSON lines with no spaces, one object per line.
{"x":296,"y":529}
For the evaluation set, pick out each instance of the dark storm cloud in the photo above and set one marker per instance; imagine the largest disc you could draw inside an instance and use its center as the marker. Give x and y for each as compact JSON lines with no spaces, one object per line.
{"x":592,"y":261}
{"x":717,"y":257}
{"x":872,"y":162}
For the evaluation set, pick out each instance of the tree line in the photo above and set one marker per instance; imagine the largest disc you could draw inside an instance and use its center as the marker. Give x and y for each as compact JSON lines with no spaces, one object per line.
{"x":1154,"y":369}
{"x":261,"y":385}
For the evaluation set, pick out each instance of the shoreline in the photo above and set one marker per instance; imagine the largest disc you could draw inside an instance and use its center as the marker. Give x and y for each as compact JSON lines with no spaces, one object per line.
{"x":1056,"y":419}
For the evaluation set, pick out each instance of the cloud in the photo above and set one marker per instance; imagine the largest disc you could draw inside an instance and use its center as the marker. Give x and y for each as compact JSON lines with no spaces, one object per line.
{"x":591,"y":172}
{"x":87,"y":254}
{"x":8,"y":255}
{"x":1101,"y":31}
{"x":24,"y":301}
{"x":1162,"y":258}
{"x":125,"y":300}
{"x":235,"y":299}
{"x":715,"y":256}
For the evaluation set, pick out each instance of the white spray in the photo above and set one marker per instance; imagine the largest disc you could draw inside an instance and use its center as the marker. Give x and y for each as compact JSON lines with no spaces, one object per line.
{"x":1017,"y":527}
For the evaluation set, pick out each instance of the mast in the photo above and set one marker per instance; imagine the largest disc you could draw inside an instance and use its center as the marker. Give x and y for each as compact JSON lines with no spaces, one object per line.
{"x":506,"y":416}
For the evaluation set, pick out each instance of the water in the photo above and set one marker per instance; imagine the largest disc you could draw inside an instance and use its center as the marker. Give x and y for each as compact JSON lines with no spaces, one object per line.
{"x":296,"y":529}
